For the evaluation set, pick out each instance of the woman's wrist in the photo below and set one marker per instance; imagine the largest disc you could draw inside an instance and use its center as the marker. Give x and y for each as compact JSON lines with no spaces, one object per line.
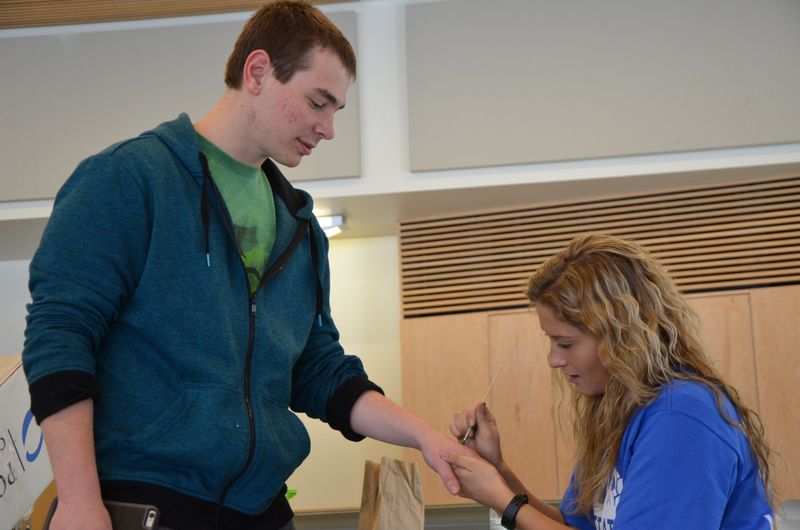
{"x":503,"y":469}
{"x":501,"y":501}
{"x":498,"y":461}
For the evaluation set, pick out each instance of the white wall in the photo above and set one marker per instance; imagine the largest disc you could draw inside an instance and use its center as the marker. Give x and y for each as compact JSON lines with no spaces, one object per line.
{"x":13,"y":298}
{"x":365,"y":299}
{"x":383,"y":114}
{"x":383,"y":99}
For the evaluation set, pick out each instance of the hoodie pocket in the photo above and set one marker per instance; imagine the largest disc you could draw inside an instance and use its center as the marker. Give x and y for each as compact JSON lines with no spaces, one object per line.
{"x":197,"y":443}
{"x":282,"y":443}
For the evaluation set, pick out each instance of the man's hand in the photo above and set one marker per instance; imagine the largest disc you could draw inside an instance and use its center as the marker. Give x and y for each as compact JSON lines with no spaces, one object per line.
{"x":87,"y":515}
{"x":375,"y":416}
{"x":432,"y":445}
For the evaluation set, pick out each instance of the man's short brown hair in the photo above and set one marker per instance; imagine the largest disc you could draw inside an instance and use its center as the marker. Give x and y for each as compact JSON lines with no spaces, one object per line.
{"x":287,"y":31}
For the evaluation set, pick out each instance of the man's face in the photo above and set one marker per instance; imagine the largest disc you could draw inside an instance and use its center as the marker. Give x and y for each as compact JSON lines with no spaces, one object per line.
{"x":290,"y":119}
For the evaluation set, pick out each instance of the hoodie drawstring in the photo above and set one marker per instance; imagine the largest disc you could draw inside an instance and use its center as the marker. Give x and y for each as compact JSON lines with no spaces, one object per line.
{"x":315,"y":262}
{"x":204,"y":205}
{"x":204,"y":214}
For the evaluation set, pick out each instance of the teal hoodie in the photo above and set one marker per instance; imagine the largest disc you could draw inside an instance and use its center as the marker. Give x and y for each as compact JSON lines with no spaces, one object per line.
{"x":140,"y":300}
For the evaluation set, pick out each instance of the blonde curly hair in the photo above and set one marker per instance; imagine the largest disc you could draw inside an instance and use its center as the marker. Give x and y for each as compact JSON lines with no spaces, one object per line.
{"x":648,"y":336}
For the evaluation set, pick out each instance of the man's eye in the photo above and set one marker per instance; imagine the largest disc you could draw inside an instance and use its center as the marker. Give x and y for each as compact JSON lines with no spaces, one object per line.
{"x":316,"y":105}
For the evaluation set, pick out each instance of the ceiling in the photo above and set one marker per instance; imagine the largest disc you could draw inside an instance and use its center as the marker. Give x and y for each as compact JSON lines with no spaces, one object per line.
{"x":378,"y":214}
{"x":31,"y":13}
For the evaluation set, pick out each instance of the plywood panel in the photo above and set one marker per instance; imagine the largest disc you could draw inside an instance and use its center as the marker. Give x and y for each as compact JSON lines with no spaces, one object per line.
{"x":521,"y":400}
{"x":445,"y":368}
{"x":565,"y":443}
{"x":776,"y":334}
{"x":726,"y":327}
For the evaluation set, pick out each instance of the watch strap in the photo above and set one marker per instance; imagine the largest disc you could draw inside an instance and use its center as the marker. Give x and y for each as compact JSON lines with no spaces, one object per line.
{"x":509,"y":519}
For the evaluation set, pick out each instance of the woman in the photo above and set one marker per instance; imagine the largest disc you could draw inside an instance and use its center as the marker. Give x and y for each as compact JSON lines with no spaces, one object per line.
{"x":662,"y":441}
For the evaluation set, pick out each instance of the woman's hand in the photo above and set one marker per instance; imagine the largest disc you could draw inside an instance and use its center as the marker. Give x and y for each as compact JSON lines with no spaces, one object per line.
{"x":480,"y":481}
{"x":484,"y":435}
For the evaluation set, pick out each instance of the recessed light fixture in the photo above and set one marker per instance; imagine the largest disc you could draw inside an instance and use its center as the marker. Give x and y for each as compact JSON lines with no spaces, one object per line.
{"x":332,"y":225}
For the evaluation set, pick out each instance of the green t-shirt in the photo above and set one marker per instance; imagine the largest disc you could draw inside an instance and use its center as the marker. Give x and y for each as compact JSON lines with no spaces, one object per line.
{"x":248,"y":197}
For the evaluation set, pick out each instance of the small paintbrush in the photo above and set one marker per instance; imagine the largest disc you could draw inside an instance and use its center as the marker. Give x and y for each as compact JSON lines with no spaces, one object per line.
{"x":469,"y":431}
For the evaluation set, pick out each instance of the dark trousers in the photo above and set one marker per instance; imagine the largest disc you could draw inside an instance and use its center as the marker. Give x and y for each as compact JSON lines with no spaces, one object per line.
{"x":289,"y":526}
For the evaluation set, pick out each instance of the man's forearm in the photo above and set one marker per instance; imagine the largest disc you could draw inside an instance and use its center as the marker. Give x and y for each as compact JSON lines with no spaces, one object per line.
{"x":377,"y":417}
{"x":69,"y":435}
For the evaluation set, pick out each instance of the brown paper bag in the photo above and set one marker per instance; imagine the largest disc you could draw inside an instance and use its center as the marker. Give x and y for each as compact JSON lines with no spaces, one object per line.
{"x":392,"y":496}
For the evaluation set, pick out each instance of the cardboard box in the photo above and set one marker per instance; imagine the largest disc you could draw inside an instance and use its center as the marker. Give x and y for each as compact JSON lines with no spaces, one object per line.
{"x":24,"y":465}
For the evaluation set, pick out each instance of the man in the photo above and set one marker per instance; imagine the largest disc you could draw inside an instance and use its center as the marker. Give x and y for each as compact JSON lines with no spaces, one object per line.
{"x":180,"y":304}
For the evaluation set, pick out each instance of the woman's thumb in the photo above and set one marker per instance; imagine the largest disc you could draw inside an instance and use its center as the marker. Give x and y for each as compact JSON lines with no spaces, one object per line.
{"x":485,"y":414}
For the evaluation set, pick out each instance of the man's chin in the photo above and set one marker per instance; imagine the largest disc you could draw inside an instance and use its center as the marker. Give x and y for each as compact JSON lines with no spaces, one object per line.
{"x":289,"y":162}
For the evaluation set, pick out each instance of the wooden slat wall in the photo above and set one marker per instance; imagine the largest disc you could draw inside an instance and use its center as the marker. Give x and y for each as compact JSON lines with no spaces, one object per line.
{"x":735,"y":235}
{"x":27,"y":13}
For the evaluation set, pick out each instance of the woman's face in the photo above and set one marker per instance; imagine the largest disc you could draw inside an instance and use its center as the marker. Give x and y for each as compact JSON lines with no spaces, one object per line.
{"x":574,"y":352}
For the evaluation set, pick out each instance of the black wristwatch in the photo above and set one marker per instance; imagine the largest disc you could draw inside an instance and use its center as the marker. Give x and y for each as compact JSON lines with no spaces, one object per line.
{"x":509,"y":519}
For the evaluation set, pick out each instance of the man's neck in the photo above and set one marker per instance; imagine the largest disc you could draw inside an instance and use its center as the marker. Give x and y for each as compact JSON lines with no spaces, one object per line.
{"x":226,"y":127}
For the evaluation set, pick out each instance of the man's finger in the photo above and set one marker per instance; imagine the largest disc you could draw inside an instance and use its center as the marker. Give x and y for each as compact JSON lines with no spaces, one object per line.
{"x":447,"y":475}
{"x":451,"y":457}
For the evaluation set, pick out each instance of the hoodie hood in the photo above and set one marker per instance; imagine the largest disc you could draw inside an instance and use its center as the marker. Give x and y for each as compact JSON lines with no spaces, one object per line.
{"x":181,"y":139}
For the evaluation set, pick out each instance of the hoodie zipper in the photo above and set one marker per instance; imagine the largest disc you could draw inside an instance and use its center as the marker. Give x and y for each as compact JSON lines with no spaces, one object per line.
{"x":251,"y":445}
{"x":274,"y":269}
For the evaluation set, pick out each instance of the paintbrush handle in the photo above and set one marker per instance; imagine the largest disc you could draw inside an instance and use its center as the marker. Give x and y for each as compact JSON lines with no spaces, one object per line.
{"x":469,"y":430}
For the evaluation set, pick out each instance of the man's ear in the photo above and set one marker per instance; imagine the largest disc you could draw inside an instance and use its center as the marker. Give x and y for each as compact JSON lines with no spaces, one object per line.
{"x":257,"y":70}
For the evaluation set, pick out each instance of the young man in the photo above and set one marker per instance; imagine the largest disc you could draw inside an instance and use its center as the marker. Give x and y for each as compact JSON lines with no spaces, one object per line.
{"x":180,"y":304}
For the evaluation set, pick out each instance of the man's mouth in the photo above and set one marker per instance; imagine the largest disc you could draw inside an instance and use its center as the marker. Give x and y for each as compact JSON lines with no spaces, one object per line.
{"x":305,"y":147}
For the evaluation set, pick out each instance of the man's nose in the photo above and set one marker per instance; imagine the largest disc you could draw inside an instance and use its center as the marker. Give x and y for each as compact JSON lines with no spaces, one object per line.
{"x":325,"y":128}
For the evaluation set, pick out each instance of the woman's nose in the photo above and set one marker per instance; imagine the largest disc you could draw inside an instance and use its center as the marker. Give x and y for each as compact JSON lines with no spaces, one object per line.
{"x":555,"y":359}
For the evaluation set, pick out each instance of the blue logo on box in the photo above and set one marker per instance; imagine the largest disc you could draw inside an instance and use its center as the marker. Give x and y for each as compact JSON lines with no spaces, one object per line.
{"x":9,"y":478}
{"x":26,"y":424}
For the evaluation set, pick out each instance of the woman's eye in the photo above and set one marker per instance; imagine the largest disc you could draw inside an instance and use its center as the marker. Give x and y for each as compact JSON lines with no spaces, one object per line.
{"x":564,"y":346}
{"x":316,"y":105}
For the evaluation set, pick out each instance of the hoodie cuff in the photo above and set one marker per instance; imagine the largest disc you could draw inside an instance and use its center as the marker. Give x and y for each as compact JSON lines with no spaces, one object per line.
{"x":341,"y":404}
{"x":57,"y":391}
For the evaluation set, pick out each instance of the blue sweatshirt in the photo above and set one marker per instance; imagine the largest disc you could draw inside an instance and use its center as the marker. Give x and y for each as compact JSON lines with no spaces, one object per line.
{"x":680,"y":465}
{"x":140,"y":301}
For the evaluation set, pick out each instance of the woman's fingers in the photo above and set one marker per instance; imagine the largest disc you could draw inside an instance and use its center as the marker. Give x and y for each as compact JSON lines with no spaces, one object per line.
{"x":463,"y":421}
